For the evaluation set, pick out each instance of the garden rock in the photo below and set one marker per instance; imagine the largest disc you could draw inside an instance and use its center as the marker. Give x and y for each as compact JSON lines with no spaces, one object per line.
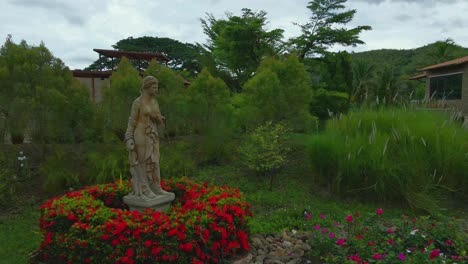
{"x":288,"y":247}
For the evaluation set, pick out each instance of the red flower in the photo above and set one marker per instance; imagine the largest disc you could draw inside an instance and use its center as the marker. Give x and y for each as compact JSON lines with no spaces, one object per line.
{"x":206,"y":234}
{"x":71,"y":217}
{"x":349,"y":218}
{"x":156,"y":250}
{"x":379,"y":211}
{"x":186,"y":247}
{"x":172,"y":232}
{"x":434,"y":254}
{"x":115,"y":242}
{"x":148,"y":243}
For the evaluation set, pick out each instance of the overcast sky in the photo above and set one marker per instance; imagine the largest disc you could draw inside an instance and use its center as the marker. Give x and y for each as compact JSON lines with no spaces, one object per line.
{"x":71,"y":29}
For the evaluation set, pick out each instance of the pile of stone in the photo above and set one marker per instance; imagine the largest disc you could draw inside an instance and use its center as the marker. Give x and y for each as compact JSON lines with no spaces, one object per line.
{"x":288,"y":247}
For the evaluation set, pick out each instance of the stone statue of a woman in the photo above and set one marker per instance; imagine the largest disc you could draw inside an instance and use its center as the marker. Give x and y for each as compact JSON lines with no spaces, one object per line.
{"x":142,"y":142}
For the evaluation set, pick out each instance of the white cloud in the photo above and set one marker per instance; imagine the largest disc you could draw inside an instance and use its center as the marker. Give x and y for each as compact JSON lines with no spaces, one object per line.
{"x":71,"y":29}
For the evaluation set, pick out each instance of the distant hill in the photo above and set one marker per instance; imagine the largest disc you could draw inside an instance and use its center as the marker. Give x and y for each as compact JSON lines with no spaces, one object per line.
{"x":406,"y":62}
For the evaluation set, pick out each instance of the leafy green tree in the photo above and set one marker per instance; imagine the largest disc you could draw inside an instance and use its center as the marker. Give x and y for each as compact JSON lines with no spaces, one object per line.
{"x":326,"y":28}
{"x":443,"y":51}
{"x":279,"y":91}
{"x":172,"y":99}
{"x":337,"y":72}
{"x":238,"y":43}
{"x":211,"y":116}
{"x":118,"y":98}
{"x":388,"y":86}
{"x":265,"y":149}
{"x":39,"y":94}
{"x":184,"y":56}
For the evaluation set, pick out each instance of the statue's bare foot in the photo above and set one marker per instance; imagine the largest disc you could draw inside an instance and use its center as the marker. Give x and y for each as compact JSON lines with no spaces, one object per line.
{"x":160,"y":191}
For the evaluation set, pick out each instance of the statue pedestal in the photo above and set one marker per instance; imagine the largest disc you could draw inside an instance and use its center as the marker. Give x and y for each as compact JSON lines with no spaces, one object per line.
{"x":160,"y":203}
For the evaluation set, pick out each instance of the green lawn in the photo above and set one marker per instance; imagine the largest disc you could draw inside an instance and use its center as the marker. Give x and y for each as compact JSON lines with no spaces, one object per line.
{"x":19,"y":235}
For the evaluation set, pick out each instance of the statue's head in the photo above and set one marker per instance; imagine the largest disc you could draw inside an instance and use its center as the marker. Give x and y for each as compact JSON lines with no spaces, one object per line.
{"x":149,"y":85}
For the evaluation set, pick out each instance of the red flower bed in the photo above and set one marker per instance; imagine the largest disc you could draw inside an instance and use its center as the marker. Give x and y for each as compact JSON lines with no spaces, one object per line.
{"x":206,"y":224}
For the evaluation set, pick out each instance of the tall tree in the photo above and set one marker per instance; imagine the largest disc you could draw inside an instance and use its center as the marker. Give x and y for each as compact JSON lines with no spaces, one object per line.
{"x":442,"y":51}
{"x":388,"y":86}
{"x":238,"y":43}
{"x":172,"y":99}
{"x":38,"y":94}
{"x":326,"y":28}
{"x":363,"y":73}
{"x":117,"y":99}
{"x":279,"y":91}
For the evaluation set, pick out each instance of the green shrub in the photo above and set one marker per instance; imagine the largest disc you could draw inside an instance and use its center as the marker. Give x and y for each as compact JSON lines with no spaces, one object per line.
{"x":211,"y":117}
{"x":176,"y":160}
{"x":9,"y":183}
{"x":397,"y":155}
{"x":264,"y":150}
{"x":326,"y":104}
{"x":110,"y":162}
{"x":59,"y":172}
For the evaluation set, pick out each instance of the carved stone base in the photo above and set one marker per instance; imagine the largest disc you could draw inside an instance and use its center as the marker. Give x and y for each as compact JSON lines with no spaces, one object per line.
{"x":160,"y":203}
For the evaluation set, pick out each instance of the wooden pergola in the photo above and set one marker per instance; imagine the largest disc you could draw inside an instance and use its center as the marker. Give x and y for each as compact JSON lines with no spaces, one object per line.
{"x":131,"y":55}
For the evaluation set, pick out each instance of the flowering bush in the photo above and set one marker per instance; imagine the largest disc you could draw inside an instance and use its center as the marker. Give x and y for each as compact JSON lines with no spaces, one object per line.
{"x":371,"y":238}
{"x":204,"y":225}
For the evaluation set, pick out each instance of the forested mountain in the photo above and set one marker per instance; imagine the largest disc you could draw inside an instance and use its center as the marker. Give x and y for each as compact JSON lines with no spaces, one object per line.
{"x":407,"y":61}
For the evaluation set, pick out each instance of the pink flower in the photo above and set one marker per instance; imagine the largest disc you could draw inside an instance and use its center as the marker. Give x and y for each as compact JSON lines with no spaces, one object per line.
{"x":449,"y":242}
{"x":308,"y":216}
{"x":434,"y":253}
{"x":377,"y":256}
{"x":340,"y":241}
{"x":316,"y":227}
{"x":322,"y":216}
{"x":379,"y":211}
{"x":355,"y":258}
{"x":390,"y":231}
{"x":324,"y":230}
{"x":358,"y":237}
{"x":401,"y":256}
{"x":349,"y":218}
{"x":331,"y":235}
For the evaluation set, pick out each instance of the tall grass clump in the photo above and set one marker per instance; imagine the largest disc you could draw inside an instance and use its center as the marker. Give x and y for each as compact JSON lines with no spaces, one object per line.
{"x":410,"y":156}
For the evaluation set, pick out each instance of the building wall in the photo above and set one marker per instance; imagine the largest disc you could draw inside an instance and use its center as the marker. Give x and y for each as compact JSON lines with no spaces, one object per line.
{"x":462,"y":104}
{"x":95,"y":92}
